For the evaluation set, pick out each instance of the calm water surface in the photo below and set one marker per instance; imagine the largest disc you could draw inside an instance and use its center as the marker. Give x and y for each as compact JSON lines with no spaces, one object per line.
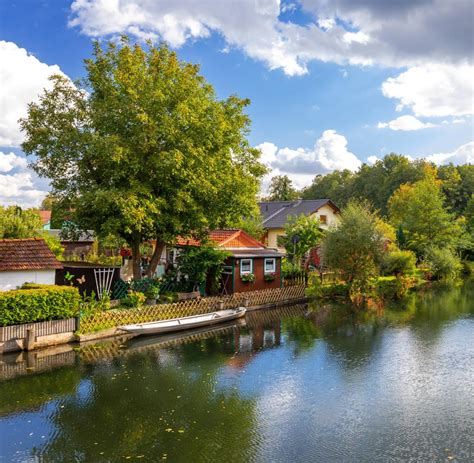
{"x":299,"y":384}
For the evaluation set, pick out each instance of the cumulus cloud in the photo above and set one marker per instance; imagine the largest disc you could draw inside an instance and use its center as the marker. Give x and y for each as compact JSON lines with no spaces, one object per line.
{"x":20,"y":189}
{"x":23,"y":77}
{"x":405,"y":123}
{"x":434,"y":90}
{"x":432,"y":29}
{"x":10,"y":161}
{"x":462,"y":155}
{"x":329,"y":153}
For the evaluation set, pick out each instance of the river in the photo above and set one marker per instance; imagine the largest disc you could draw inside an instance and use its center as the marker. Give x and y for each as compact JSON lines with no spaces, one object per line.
{"x":303,"y":383}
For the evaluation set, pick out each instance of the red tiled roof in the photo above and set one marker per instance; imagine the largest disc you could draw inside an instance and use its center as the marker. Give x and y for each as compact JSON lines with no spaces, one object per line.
{"x":232,"y":238}
{"x":45,"y":216}
{"x":27,"y":254}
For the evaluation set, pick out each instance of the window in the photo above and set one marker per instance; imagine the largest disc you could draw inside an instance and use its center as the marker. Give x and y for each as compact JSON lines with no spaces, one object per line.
{"x":323,"y":219}
{"x":270,"y":265}
{"x":246,"y":266}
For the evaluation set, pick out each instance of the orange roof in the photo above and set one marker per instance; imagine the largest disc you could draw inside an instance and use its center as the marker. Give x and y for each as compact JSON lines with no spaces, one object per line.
{"x":45,"y":216}
{"x":232,"y":238}
{"x":27,"y":254}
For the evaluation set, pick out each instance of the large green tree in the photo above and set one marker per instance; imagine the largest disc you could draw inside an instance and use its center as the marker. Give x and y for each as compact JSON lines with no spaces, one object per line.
{"x":142,"y":148}
{"x":355,"y":249}
{"x":420,"y":211}
{"x":336,"y":186}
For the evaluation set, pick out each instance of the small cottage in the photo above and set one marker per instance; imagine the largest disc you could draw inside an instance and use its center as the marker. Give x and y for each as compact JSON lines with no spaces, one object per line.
{"x":26,"y":261}
{"x":251,"y":265}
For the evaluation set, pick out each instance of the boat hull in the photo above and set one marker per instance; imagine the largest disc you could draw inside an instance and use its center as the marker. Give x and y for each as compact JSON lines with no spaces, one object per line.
{"x":184,"y":323}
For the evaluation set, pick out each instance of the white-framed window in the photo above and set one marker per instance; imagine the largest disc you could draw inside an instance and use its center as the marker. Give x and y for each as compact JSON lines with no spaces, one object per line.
{"x":246,"y":266}
{"x":270,"y":265}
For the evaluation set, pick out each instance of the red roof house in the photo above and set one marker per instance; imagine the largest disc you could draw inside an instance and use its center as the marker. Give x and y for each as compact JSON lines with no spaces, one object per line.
{"x":26,"y":260}
{"x":251,"y":266}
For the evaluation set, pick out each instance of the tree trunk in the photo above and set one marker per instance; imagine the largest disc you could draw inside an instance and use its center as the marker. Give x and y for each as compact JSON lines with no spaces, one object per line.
{"x":136,"y":258}
{"x":155,"y":258}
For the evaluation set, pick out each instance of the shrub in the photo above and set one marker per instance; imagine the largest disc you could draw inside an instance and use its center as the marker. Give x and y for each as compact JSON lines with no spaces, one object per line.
{"x":319,"y":290}
{"x":399,"y":262}
{"x":444,"y":264}
{"x":34,"y":303}
{"x":392,"y":287}
{"x":133,"y":299}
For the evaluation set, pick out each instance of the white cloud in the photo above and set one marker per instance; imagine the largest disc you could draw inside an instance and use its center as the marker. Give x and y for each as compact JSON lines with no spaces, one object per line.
{"x":462,"y":155}
{"x":432,"y":29}
{"x":405,"y":123}
{"x":372,"y":160}
{"x":301,"y":165}
{"x":10,"y":161}
{"x":22,"y":78}
{"x":20,"y":189}
{"x":434,"y":90}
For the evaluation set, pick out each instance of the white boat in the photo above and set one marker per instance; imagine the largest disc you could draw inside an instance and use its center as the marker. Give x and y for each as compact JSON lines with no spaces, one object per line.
{"x":184,"y":323}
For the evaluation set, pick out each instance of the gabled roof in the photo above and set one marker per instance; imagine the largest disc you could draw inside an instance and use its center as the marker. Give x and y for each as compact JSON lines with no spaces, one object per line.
{"x":276,"y":213}
{"x":27,"y":254}
{"x":228,"y":238}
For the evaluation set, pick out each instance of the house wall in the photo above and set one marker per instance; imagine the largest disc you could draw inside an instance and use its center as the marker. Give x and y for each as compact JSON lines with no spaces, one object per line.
{"x":13,"y":279}
{"x":259,"y":283}
{"x":272,"y":234}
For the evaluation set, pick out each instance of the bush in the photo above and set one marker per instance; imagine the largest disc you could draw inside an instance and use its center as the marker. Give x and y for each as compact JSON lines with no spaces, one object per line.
{"x":399,"y":263}
{"x":444,"y":264}
{"x":133,"y":299}
{"x":35,"y":303}
{"x":319,"y":290}
{"x":392,"y":287}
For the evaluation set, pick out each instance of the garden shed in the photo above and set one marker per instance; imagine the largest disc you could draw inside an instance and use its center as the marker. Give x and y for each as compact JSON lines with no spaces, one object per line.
{"x":250,"y":267}
{"x":26,"y":261}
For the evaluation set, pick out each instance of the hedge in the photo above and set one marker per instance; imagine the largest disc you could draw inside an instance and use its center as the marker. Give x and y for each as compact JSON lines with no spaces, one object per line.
{"x":34,"y":303}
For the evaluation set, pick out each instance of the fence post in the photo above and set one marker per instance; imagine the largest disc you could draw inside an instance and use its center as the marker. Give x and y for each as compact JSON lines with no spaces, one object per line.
{"x":30,"y":339}
{"x":78,"y":322}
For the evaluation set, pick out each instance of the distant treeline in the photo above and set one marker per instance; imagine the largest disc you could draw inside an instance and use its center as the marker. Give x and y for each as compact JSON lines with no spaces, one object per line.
{"x":376,"y":183}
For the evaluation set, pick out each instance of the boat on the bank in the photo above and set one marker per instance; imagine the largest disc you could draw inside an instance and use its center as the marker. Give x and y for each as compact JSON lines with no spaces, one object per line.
{"x":184,"y":323}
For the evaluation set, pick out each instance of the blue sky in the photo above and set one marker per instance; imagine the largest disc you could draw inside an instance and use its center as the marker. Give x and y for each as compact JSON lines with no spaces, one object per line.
{"x":332,"y":84}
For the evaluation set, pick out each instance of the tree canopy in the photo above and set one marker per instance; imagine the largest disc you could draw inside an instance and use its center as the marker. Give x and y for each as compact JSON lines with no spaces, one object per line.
{"x":142,"y":148}
{"x":281,"y":189}
{"x":302,"y":233}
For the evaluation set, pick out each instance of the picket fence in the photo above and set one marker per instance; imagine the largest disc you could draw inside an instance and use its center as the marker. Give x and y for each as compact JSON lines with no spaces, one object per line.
{"x":118,"y":317}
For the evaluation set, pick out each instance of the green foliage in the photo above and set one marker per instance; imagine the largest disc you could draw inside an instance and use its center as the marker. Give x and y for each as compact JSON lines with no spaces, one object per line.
{"x":142,"y":148}
{"x":355,"y":248}
{"x":392,"y":287}
{"x":443,"y":263}
{"x":93,"y":258}
{"x":54,"y":243}
{"x":398,"y":262}
{"x":200,"y":264}
{"x":290,"y":269}
{"x":252,"y":225}
{"x":133,"y":299}
{"x":269,"y":276}
{"x":336,"y":185}
{"x":34,"y":303}
{"x":419,"y":209}
{"x":302,"y":233}
{"x":17,"y":223}
{"x":318,"y":290}
{"x":281,"y":189}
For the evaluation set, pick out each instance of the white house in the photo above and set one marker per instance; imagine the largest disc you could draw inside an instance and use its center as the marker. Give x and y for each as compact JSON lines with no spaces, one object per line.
{"x":26,"y":261}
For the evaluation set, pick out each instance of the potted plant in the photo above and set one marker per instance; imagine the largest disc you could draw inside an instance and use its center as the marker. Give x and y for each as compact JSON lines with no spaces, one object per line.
{"x":152,"y":294}
{"x":247,"y":277}
{"x":269,"y":276}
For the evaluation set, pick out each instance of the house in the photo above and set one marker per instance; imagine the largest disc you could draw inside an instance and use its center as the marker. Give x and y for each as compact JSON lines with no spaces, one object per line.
{"x":277,"y":213}
{"x":247,"y":257}
{"x":45,"y":217}
{"x":26,"y":261}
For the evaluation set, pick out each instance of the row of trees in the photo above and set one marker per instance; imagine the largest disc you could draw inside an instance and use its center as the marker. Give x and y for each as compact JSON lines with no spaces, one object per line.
{"x":142,"y":149}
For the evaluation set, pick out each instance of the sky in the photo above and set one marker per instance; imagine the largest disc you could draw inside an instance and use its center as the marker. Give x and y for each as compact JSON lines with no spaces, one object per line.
{"x":332,"y":83}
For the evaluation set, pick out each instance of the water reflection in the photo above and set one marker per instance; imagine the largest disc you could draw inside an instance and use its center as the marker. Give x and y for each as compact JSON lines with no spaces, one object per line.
{"x":301,"y":383}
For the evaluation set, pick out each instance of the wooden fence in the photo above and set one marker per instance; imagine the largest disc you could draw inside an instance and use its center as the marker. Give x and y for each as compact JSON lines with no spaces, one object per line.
{"x":119,"y":317}
{"x":40,"y":329}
